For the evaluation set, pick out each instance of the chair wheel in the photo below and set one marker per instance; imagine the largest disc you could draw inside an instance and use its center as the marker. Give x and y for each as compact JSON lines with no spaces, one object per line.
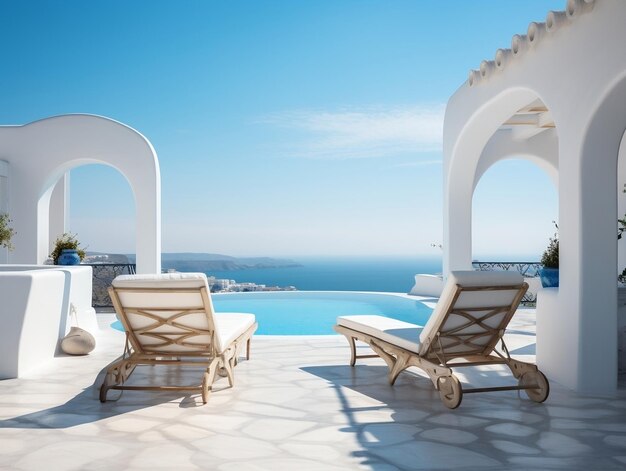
{"x":450,"y":391}
{"x":541,"y":389}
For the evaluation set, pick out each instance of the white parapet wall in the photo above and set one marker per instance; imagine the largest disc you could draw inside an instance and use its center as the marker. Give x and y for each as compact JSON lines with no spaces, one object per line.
{"x":35,"y":313}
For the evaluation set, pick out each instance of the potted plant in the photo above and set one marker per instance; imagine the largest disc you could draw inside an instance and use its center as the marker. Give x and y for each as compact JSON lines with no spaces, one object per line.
{"x":549,"y":274}
{"x":67,"y":250}
{"x":6,"y":232}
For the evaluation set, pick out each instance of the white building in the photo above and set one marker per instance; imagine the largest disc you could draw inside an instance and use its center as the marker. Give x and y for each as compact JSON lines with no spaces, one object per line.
{"x":556,"y":97}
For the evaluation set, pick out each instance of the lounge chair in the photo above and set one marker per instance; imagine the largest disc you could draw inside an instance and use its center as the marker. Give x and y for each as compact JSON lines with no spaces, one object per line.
{"x":464,"y":329}
{"x":169,"y":320}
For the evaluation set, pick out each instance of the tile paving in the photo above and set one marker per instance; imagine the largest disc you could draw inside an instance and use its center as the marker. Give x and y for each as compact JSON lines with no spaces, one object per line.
{"x":297,"y":405}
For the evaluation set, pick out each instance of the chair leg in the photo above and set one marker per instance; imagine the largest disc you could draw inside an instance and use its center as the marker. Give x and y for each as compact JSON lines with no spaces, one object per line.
{"x":351,"y":341}
{"x":230,"y":370}
{"x":109,"y":380}
{"x":388,"y":358}
{"x":208,"y":379}
{"x":116,"y":374}
{"x":399,"y":366}
{"x":248,"y":349}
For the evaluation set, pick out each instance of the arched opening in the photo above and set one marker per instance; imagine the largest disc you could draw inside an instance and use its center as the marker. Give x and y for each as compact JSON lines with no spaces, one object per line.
{"x":103,"y":215}
{"x":514,"y":204}
{"x":101,"y":210}
{"x":515,"y":123}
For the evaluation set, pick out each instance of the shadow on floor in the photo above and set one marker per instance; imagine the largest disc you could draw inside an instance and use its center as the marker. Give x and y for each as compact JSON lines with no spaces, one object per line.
{"x":86,"y":407}
{"x":408,"y":427}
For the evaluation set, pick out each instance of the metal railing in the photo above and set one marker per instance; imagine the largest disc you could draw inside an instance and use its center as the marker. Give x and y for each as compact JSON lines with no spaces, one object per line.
{"x":527,"y":269}
{"x":103,"y":275}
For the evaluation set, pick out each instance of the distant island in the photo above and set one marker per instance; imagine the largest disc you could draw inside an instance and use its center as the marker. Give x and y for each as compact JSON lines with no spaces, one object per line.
{"x":199,"y":262}
{"x":110,"y":265}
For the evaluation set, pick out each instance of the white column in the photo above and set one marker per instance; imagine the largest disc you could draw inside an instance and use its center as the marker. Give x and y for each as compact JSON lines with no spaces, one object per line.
{"x":576,"y":338}
{"x":457,"y":228}
{"x":59,"y":209}
{"x":148,"y":210}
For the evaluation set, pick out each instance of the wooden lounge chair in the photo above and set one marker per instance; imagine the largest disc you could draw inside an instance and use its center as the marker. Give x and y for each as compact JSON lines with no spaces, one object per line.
{"x":463,"y":330}
{"x":169,"y":320}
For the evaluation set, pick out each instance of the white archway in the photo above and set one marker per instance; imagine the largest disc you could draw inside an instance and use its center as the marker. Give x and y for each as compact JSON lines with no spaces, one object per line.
{"x":40,"y":153}
{"x":107,"y":220}
{"x":505,"y":206}
{"x":585,"y":93}
{"x":474,"y":145}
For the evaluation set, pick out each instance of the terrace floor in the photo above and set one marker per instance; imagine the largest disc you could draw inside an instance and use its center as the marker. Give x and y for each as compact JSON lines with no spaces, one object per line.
{"x":298,"y":405}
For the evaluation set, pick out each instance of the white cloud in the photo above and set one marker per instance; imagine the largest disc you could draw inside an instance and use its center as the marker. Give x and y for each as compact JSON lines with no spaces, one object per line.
{"x":363,"y":132}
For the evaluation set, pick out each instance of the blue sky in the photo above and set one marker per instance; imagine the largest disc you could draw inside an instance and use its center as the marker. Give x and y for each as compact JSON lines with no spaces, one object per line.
{"x":282,"y":127}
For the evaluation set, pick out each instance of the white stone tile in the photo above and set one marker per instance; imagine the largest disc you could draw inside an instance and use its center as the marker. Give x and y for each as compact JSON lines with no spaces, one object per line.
{"x":610,"y":427}
{"x":569,"y":424}
{"x":66,"y":455}
{"x":431,"y":455}
{"x":511,"y":429}
{"x":616,"y":440}
{"x":558,"y":444}
{"x":514,"y":448}
{"x":388,"y":434}
{"x":132,"y":424}
{"x":12,"y":445}
{"x":277,"y":429}
{"x":164,"y":456}
{"x":312,"y":451}
{"x":281,"y":464}
{"x":579,"y":412}
{"x":449,"y":435}
{"x":235,"y":447}
{"x":151,"y":436}
{"x":457,"y":418}
{"x":218,"y":422}
{"x":327,"y":435}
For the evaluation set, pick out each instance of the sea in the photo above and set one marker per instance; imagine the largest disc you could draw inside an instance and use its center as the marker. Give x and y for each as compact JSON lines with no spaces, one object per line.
{"x":390,"y":274}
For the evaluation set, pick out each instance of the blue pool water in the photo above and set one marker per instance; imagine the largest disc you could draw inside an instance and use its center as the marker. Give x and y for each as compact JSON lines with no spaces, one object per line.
{"x":315,"y":312}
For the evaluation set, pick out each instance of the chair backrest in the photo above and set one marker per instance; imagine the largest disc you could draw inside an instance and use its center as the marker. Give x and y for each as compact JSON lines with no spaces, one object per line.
{"x":472,"y":313}
{"x":166,"y":314}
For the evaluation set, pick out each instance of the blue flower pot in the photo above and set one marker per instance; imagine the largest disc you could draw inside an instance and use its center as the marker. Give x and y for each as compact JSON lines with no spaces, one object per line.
{"x":68,"y":257}
{"x":549,"y":277}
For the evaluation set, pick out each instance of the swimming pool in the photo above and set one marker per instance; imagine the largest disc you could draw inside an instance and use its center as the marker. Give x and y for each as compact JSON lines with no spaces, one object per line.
{"x":315,"y":312}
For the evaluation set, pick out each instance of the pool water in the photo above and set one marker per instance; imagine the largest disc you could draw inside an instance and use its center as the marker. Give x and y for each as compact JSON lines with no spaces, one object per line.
{"x":315,"y":312}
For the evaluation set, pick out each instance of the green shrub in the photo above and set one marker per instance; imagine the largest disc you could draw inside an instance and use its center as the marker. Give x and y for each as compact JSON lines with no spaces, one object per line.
{"x":550,"y":258}
{"x":6,"y":232}
{"x":66,"y":241}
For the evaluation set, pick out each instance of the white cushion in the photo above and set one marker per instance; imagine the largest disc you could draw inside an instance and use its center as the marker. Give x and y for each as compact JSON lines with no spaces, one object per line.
{"x":229,"y":326}
{"x":163,"y":280}
{"x":400,"y":333}
{"x":470,"y":299}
